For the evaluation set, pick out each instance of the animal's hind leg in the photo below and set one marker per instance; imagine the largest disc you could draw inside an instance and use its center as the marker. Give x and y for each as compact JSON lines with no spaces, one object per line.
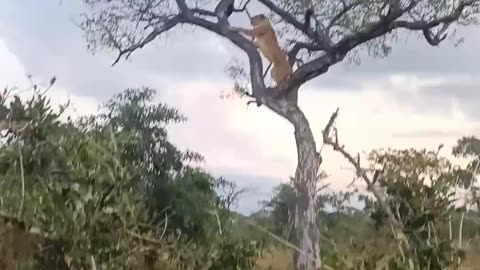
{"x":275,"y":74}
{"x":278,"y":75}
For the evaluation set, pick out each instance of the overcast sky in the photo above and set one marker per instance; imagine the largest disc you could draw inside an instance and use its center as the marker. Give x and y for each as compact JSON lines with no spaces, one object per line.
{"x":419,"y":96}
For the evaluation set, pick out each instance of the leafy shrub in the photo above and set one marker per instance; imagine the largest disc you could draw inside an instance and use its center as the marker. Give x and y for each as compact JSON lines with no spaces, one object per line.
{"x":110,"y":190}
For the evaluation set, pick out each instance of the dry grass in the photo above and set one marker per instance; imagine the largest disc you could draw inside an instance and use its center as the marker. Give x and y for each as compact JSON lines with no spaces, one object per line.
{"x":16,"y":248}
{"x":472,"y":261}
{"x":281,"y":259}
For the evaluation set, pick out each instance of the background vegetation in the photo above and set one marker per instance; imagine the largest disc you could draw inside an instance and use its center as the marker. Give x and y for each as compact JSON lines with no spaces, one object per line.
{"x":110,"y":191}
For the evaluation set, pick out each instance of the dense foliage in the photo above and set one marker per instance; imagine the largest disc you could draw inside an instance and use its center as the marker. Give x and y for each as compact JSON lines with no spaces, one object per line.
{"x":110,"y":191}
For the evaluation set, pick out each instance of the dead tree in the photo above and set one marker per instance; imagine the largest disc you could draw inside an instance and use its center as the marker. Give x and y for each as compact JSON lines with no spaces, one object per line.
{"x":338,"y":28}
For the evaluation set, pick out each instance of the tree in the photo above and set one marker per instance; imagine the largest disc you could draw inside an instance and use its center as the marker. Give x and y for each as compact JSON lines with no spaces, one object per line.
{"x":340,"y":28}
{"x":165,"y":174}
{"x":469,"y":147}
{"x":282,"y":209}
{"x":420,"y":187}
{"x":174,"y":191}
{"x":69,"y":188}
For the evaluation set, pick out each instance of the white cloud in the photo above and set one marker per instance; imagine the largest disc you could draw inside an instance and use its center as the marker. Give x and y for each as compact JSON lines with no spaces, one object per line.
{"x":13,"y":74}
{"x":256,"y":141}
{"x":11,"y":71}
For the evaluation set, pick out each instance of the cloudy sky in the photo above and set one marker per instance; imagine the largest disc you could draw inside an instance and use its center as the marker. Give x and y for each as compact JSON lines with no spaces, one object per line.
{"x":417,"y":97}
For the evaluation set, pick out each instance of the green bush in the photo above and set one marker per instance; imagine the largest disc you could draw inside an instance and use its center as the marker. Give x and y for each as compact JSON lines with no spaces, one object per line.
{"x":110,"y":190}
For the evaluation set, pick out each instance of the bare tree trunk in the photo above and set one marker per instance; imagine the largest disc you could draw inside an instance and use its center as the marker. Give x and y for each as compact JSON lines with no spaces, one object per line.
{"x":306,"y":176}
{"x":307,"y":233}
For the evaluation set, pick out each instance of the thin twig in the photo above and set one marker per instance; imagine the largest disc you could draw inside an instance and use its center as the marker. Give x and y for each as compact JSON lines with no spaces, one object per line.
{"x":165,"y":226}
{"x":265,"y":74}
{"x":218,"y":222}
{"x":244,"y":8}
{"x":22,"y":175}
{"x":144,"y":238}
{"x":460,"y":236}
{"x":92,"y":261}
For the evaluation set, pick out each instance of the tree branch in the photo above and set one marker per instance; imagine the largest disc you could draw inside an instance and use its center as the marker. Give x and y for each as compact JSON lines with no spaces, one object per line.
{"x":333,"y":54}
{"x":373,"y":30}
{"x":256,"y":66}
{"x":385,"y":25}
{"x":433,"y":40}
{"x":425,"y":27}
{"x":447,"y":19}
{"x":187,"y":15}
{"x":167,"y":25}
{"x":309,"y":71}
{"x":242,"y":9}
{"x":323,"y":40}
{"x":182,"y":5}
{"x":346,"y":8}
{"x":204,"y":12}
{"x":292,"y":54}
{"x":361,"y":172}
{"x":224,"y":9}
{"x":321,"y":64}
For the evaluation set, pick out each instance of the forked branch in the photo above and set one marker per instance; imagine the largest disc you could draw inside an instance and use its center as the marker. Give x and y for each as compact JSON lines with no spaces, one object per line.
{"x":298,"y":46}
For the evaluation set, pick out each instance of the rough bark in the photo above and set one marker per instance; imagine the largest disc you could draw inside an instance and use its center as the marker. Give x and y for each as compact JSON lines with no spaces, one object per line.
{"x":307,"y":232}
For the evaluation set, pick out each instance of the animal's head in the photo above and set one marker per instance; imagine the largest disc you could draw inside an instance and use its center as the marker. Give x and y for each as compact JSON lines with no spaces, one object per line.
{"x":258,"y":19}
